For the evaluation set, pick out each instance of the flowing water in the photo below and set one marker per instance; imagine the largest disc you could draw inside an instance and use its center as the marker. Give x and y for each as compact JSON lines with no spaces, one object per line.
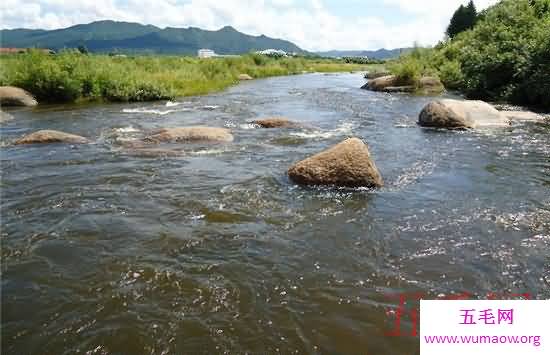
{"x":112,"y":250}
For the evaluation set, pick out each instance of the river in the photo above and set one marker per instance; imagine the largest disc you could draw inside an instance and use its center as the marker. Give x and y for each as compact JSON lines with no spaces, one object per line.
{"x":109,"y":251}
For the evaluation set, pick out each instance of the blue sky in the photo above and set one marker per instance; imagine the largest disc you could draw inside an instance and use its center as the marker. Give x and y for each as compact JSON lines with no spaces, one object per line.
{"x":312,"y":24}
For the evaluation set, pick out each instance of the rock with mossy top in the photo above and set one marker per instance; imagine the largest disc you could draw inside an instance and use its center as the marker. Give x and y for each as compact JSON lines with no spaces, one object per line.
{"x":13,"y":96}
{"x":392,"y":83}
{"x":347,"y":164}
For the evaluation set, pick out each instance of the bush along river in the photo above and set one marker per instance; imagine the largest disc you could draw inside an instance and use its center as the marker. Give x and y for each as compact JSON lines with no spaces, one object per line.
{"x":127,"y":244}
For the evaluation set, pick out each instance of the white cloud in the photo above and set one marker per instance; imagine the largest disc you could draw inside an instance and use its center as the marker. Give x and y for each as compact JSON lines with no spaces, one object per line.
{"x":309,"y":24}
{"x":436,"y":7}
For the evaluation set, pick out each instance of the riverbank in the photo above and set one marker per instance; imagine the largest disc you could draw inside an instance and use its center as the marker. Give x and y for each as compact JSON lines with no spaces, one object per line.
{"x":71,"y":76}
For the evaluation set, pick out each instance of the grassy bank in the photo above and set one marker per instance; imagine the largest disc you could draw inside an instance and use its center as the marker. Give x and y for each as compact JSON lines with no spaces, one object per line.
{"x":72,"y":76}
{"x":504,"y":57}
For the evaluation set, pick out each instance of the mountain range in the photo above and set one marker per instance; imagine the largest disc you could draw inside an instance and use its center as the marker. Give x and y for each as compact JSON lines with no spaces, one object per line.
{"x":377,"y":54}
{"x":114,"y":36}
{"x":127,"y":37}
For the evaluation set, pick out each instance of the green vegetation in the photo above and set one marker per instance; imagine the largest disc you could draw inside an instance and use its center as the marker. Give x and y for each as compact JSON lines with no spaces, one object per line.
{"x":72,"y":76}
{"x":362,"y":60}
{"x":504,"y":57}
{"x":409,"y":68}
{"x":464,"y":18}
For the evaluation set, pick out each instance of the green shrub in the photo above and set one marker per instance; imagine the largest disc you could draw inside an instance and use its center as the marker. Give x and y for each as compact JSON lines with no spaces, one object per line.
{"x":408,"y":71}
{"x":259,"y":59}
{"x":451,"y":74}
{"x":504,"y":57}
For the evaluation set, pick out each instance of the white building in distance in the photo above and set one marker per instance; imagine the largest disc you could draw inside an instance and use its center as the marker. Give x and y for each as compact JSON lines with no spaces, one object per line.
{"x":273,"y":53}
{"x":206,"y":53}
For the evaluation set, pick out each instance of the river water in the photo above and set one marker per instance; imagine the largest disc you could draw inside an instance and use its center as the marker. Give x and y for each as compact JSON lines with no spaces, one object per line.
{"x":106,"y":250}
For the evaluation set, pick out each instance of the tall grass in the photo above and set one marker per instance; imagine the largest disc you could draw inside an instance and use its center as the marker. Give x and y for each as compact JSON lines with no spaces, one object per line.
{"x":72,"y":76}
{"x":412,"y":66}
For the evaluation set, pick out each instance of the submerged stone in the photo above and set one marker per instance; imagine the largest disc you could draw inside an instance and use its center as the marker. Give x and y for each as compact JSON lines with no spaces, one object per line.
{"x":191,"y":134}
{"x":50,"y":136}
{"x":275,"y":122}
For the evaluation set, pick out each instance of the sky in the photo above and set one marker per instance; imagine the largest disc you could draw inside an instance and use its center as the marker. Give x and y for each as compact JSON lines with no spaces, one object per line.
{"x":314,"y":25}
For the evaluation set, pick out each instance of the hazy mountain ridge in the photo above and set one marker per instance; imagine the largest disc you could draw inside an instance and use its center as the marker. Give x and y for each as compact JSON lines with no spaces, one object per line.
{"x":377,"y":54}
{"x":113,"y":36}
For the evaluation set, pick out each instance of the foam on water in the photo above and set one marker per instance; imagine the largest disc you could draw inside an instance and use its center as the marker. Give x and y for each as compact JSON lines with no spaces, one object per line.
{"x":154,"y":111}
{"x":344,"y":128}
{"x":210,"y":107}
{"x":129,"y":129}
{"x":248,"y":126}
{"x":208,"y":152}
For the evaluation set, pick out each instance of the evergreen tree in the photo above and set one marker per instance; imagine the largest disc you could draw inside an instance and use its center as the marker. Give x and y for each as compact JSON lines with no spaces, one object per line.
{"x":472,"y":11}
{"x":463,"y":19}
{"x":83,"y":49}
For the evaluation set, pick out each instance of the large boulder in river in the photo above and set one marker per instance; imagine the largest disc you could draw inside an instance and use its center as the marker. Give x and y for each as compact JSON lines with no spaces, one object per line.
{"x":380,"y":83}
{"x":12,"y":96}
{"x":345,"y":164}
{"x":245,"y":77}
{"x":275,"y":122}
{"x":50,"y":136}
{"x":391,"y":83}
{"x":456,"y":114}
{"x":192,"y":134}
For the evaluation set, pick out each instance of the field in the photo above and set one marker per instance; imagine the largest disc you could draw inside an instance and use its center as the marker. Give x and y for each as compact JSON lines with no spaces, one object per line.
{"x":72,"y":76}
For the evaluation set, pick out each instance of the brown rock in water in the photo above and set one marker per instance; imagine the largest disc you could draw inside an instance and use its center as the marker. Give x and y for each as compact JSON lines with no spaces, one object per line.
{"x":346,"y":164}
{"x":50,"y":136}
{"x":12,"y":96}
{"x":275,"y":122}
{"x":245,"y":77}
{"x":390,"y":83}
{"x":192,"y":134}
{"x":382,"y":82}
{"x":455,"y":114}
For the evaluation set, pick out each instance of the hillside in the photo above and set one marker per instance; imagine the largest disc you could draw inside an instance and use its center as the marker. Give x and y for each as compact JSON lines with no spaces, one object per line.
{"x":112,"y":36}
